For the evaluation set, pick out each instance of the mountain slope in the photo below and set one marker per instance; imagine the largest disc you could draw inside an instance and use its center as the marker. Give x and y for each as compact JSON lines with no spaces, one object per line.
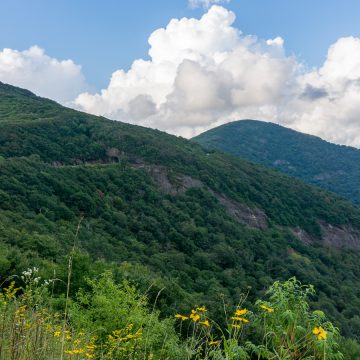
{"x":209,"y":224}
{"x":332,"y":167}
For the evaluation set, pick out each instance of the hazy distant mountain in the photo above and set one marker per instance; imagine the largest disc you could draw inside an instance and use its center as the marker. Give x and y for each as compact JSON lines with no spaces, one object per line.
{"x":330,"y":166}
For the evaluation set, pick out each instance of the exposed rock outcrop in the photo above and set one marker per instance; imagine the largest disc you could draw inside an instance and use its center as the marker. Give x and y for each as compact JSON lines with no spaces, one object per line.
{"x":332,"y":236}
{"x":303,"y":236}
{"x":252,"y":217}
{"x":179,"y":184}
{"x":340,"y":237}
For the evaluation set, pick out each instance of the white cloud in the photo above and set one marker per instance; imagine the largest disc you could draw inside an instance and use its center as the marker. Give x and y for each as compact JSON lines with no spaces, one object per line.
{"x":206,"y":3}
{"x":328,"y":99}
{"x":204,"y":72}
{"x":200,"y":73}
{"x":46,"y":76}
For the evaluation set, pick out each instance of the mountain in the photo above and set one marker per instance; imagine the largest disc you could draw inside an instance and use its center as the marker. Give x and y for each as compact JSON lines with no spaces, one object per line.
{"x":332,"y":167}
{"x":165,"y":212}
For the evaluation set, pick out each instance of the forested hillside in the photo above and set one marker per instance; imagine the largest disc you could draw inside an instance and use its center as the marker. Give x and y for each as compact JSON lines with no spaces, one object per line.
{"x":332,"y":167}
{"x":165,"y":212}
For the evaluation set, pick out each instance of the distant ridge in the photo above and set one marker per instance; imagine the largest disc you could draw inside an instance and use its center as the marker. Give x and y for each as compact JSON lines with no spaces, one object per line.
{"x":316,"y":161}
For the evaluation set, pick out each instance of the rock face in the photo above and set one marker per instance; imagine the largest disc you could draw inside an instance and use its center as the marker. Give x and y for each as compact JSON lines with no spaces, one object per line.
{"x":340,"y":237}
{"x":303,"y":236}
{"x":179,"y":184}
{"x":332,"y":236}
{"x":255,"y":218}
{"x":161,"y":176}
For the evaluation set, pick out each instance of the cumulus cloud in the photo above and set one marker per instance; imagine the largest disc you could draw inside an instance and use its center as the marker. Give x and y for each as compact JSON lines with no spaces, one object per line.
{"x":61,"y":80}
{"x":201,"y":72}
{"x":205,"y":72}
{"x":327,"y":102}
{"x":206,"y":3}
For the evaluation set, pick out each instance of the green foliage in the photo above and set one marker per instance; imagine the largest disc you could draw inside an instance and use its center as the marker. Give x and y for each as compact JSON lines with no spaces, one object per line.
{"x":350,"y":348}
{"x":114,"y":321}
{"x":332,"y":167}
{"x":291,"y":330}
{"x":107,"y":321}
{"x":152,"y":213}
{"x":106,"y":307}
{"x":281,"y":328}
{"x":26,"y":324}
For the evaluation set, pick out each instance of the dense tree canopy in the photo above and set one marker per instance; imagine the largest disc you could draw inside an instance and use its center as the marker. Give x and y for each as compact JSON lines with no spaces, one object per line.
{"x":332,"y":167}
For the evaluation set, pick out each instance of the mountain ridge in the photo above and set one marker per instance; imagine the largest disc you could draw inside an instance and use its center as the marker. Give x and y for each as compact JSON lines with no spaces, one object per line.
{"x":307,"y":157}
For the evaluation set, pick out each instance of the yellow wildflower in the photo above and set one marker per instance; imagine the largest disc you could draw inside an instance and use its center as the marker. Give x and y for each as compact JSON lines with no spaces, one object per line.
{"x":268,"y":309}
{"x":11,"y":291}
{"x":320,"y":332}
{"x":213,"y":342}
{"x":202,"y":309}
{"x":236,"y":326}
{"x":240,"y":312}
{"x":181,"y":317}
{"x":194,"y":316}
{"x":236,"y":318}
{"x":57,"y":333}
{"x":78,"y":351}
{"x":205,"y":323}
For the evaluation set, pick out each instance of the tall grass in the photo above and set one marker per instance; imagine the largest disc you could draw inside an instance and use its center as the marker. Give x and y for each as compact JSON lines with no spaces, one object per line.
{"x":29,"y":329}
{"x":108,"y":322}
{"x":111,"y":321}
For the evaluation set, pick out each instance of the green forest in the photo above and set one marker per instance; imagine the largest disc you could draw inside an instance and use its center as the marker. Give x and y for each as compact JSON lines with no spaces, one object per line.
{"x":163,"y":218}
{"x":316,"y":161}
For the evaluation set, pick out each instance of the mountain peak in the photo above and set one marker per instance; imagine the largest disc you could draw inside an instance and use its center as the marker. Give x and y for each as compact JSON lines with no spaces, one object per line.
{"x":307,"y":157}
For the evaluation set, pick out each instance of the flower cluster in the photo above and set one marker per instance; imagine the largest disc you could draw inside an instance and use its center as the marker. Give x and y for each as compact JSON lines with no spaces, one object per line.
{"x":320,"y":332}
{"x":197,"y":315}
{"x":239,"y":318}
{"x":77,"y":344}
{"x":29,"y":274}
{"x":48,"y":282}
{"x":11,"y":291}
{"x":123,"y":341}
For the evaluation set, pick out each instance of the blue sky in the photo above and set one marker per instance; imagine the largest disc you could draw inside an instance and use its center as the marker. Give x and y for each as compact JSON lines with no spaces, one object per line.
{"x":167,"y":65}
{"x":105,"y":35}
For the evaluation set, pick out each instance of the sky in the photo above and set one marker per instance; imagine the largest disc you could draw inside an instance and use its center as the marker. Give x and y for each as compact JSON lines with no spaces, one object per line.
{"x":184,"y":66}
